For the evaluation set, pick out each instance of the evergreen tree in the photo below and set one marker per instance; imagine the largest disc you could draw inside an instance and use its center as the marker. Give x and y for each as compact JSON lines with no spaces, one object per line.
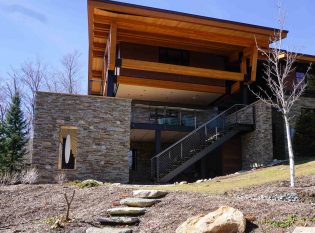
{"x":13,"y":137}
{"x":2,"y":146}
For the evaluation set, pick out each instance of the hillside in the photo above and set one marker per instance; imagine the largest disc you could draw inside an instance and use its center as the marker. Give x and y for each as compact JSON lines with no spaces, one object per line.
{"x":271,"y":205}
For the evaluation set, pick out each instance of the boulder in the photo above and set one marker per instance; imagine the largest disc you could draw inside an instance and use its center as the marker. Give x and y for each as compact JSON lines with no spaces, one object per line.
{"x":304,"y":230}
{"x":118,"y":220}
{"x":126,"y":211}
{"x":225,"y":219}
{"x":139,"y":202}
{"x":149,"y":193}
{"x":108,"y":230}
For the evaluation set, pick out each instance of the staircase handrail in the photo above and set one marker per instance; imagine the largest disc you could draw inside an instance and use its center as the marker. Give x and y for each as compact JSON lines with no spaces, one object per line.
{"x":197,"y":129}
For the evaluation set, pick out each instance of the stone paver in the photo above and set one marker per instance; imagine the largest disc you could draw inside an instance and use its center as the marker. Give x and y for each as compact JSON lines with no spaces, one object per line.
{"x":119,"y":220}
{"x":304,"y":230}
{"x":139,"y":202}
{"x":126,"y":211}
{"x":108,"y":230}
{"x":149,"y":193}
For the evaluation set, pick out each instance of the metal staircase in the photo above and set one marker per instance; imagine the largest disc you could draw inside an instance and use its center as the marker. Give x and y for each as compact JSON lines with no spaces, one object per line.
{"x":202,"y":141}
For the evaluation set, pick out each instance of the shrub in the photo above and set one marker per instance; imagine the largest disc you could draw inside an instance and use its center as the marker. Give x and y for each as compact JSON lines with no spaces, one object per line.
{"x":90,"y":183}
{"x":7,"y":178}
{"x":86,"y":183}
{"x":285,"y":223}
{"x":61,"y":178}
{"x":29,"y":176}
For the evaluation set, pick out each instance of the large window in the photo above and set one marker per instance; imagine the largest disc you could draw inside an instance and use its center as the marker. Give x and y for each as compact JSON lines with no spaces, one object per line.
{"x":174,"y":56}
{"x":132,"y":160}
{"x":67,"y":147}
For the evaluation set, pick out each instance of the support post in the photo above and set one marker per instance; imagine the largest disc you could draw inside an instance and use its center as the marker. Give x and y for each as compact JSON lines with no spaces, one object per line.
{"x":110,"y":83}
{"x":203,"y":167}
{"x":157,"y":141}
{"x":244,"y":94}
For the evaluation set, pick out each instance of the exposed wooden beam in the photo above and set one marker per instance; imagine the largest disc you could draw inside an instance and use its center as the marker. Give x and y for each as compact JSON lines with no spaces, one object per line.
{"x":181,"y":70}
{"x":112,"y":46}
{"x":170,"y":85}
{"x":184,"y":33}
{"x":254,"y":59}
{"x":235,"y":87}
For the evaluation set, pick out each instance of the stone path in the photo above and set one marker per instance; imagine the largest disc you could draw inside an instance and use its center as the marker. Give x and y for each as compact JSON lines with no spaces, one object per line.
{"x":128,"y":213}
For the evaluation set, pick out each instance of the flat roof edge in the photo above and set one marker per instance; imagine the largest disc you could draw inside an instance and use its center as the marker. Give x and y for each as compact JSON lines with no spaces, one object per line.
{"x":186,"y":14}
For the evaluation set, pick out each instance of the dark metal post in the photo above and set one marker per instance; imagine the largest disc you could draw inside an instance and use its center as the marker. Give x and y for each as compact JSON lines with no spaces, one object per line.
{"x":157,"y":141}
{"x":110,"y":83}
{"x":244,"y":94}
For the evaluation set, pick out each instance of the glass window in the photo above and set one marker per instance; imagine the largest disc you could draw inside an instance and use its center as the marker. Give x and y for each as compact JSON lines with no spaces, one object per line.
{"x":132,"y":159}
{"x":299,"y":76}
{"x":67,"y":147}
{"x":174,"y":56}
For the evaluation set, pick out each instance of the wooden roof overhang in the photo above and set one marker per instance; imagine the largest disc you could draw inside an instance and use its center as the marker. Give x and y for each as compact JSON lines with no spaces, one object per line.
{"x":111,"y":23}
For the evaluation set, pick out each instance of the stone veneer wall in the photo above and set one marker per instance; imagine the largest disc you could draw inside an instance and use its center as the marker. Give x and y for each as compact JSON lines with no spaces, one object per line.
{"x":257,"y":146}
{"x":103,"y":135}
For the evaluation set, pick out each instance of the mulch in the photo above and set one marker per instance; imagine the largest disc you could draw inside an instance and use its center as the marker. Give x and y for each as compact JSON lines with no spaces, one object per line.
{"x":29,"y":208}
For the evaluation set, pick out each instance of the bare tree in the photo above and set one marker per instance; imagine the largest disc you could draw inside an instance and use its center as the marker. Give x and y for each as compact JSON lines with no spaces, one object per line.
{"x":2,"y":99}
{"x":52,"y":83}
{"x":279,"y":65}
{"x":68,"y":201}
{"x":70,"y":73}
{"x":9,"y":88}
{"x":32,"y":75}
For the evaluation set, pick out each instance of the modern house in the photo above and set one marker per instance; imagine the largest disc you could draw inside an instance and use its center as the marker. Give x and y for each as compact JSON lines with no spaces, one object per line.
{"x":167,"y":100}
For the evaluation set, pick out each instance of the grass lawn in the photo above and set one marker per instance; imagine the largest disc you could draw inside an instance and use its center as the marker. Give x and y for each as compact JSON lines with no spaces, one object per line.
{"x":252,"y":178}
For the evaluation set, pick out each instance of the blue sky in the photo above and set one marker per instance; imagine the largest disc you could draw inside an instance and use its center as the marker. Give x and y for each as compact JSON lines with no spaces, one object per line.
{"x":48,"y":29}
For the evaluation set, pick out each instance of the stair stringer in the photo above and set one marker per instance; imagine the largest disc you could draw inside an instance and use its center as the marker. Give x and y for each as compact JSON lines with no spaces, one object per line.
{"x":231,"y":133}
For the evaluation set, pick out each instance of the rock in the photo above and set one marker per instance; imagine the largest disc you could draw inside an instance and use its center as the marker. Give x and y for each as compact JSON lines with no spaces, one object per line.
{"x":149,"y":193}
{"x":250,"y":217}
{"x":225,"y":219}
{"x":183,"y":182}
{"x":119,"y":220}
{"x":108,"y":230}
{"x":199,"y":181}
{"x":304,"y":230}
{"x":126,"y":211}
{"x":138,"y":202}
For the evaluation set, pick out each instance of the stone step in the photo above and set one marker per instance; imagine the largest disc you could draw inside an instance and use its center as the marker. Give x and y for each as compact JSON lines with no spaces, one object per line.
{"x":119,"y":220}
{"x":149,"y":193}
{"x":304,"y":230}
{"x":108,"y":230}
{"x":139,"y":202}
{"x":126,"y":211}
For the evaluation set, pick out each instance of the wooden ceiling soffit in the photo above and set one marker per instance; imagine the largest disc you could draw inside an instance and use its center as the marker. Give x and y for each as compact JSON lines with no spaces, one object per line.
{"x":170,"y":85}
{"x":175,"y":42}
{"x":178,"y":24}
{"x":181,"y":70}
{"x":203,"y":35}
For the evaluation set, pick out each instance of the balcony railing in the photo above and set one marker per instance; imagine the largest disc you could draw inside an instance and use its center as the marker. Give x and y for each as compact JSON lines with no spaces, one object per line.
{"x":171,"y":116}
